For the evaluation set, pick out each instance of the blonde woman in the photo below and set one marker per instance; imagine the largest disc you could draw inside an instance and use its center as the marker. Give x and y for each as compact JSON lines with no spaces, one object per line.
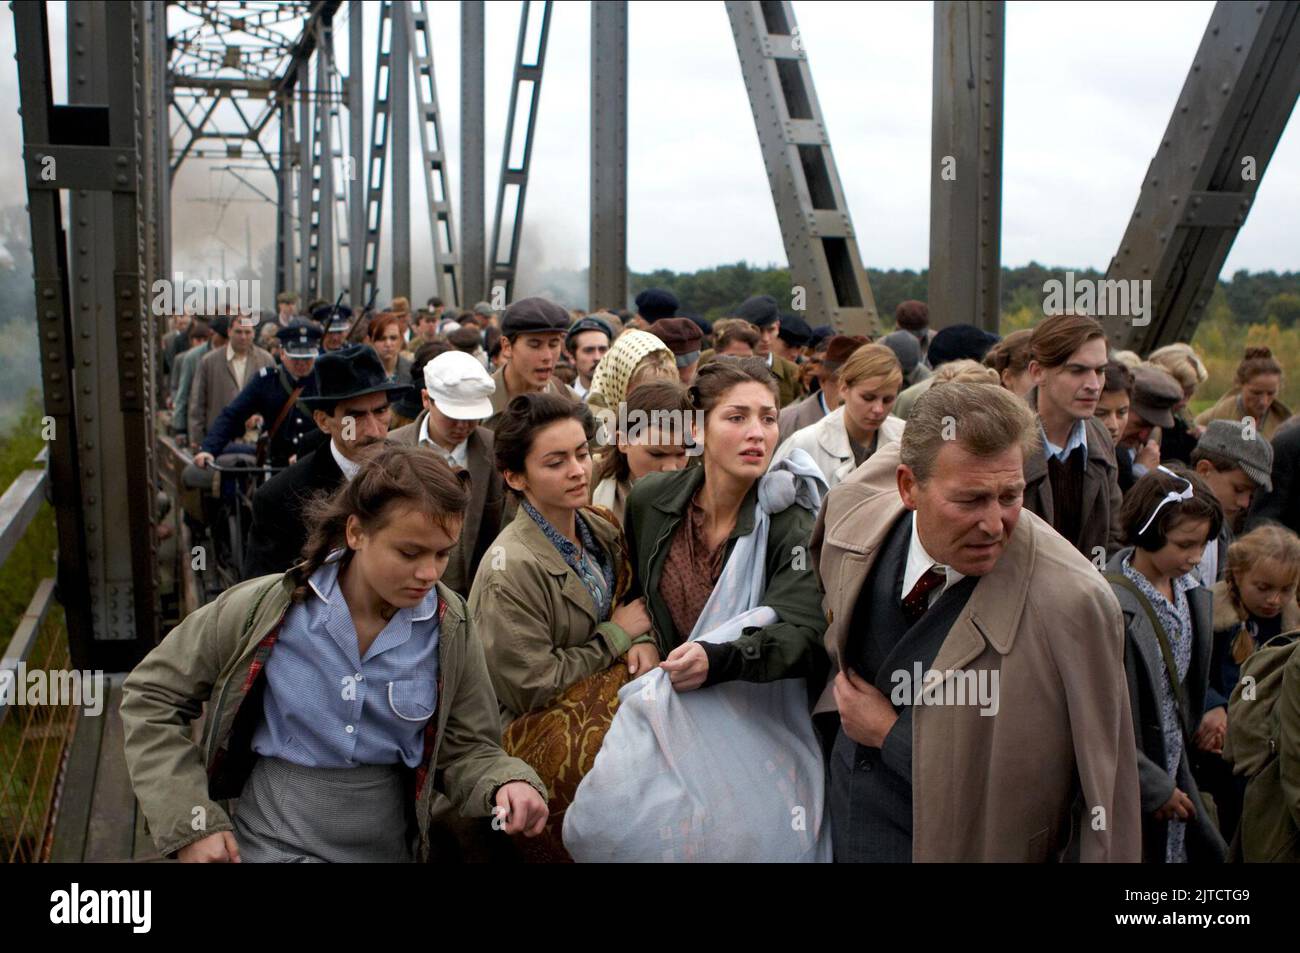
{"x":843,"y":440}
{"x":1183,"y":365}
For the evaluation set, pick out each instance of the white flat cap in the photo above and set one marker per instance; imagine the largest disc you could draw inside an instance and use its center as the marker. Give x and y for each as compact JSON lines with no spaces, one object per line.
{"x":459,"y":386}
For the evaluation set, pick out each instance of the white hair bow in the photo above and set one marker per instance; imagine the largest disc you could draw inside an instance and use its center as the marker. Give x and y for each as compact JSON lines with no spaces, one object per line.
{"x":1171,"y":497}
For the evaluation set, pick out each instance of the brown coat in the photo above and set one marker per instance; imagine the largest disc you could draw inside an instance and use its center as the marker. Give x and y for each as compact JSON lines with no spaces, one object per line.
{"x":483,"y":517}
{"x":536,"y":618}
{"x":1005,"y":787}
{"x":1101,"y":496}
{"x":215,"y":386}
{"x":800,"y":414}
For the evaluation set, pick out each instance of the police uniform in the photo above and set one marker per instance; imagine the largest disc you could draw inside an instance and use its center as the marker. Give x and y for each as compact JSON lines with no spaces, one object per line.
{"x":266,"y":394}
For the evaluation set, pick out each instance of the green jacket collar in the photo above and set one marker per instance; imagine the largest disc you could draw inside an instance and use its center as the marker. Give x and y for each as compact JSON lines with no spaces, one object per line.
{"x":677,"y":497}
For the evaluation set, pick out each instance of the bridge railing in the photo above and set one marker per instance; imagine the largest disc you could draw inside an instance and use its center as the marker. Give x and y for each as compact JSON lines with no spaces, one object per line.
{"x":35,"y":723}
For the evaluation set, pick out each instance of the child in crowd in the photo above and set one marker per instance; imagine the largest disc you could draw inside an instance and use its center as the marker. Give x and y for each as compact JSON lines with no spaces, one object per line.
{"x":1168,"y":517}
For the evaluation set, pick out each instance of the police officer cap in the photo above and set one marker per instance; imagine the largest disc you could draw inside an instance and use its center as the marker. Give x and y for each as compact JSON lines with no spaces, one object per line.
{"x":300,"y":339}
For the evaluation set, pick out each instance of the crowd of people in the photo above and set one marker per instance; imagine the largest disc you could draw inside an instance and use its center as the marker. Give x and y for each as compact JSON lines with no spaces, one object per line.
{"x":1039,"y":609}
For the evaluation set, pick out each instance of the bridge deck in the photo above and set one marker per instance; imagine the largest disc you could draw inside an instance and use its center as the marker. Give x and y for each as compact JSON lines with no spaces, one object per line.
{"x":99,"y":820}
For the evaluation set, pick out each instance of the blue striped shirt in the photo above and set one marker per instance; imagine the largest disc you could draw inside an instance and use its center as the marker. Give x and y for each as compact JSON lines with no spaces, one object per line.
{"x":326,"y":706}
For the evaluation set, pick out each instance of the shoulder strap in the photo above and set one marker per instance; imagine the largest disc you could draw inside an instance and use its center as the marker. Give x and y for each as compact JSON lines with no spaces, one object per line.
{"x":1171,"y":667}
{"x":264,"y":447}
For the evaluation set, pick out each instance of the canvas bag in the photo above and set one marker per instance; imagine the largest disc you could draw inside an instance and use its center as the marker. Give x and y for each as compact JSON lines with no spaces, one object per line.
{"x":724,"y":774}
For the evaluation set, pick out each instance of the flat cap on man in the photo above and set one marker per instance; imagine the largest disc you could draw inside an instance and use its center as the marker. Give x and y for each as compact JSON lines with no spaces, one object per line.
{"x":1155,"y":392}
{"x":905,"y":347}
{"x":459,"y":386}
{"x":682,"y":335}
{"x":533,"y":316}
{"x":760,"y":310}
{"x":655,"y":303}
{"x":839,"y":349}
{"x":1253,"y":453}
{"x":589,"y":323}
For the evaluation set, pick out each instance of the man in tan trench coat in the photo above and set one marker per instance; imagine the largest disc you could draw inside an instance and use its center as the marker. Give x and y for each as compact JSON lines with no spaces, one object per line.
{"x":1024,"y":751}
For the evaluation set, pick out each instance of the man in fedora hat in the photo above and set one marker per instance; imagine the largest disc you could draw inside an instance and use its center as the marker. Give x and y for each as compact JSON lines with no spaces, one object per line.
{"x":351,"y":407}
{"x":457,"y":398}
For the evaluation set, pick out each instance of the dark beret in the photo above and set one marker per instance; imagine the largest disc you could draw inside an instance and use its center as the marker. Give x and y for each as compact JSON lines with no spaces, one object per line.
{"x":794,"y":330}
{"x":533,"y":315}
{"x":655,"y":303}
{"x":821,"y":333}
{"x":759,"y":310}
{"x":960,"y":341}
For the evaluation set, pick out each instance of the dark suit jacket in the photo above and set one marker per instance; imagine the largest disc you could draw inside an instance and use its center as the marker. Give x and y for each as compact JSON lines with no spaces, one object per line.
{"x":870,"y":791}
{"x":1099,"y":521}
{"x":278,"y":533}
{"x":483,"y":519}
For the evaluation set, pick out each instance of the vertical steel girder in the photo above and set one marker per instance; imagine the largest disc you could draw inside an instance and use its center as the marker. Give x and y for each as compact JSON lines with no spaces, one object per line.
{"x":514,"y":177}
{"x":473,"y":236}
{"x":377,"y":161}
{"x":814,"y":218}
{"x":966,"y":164}
{"x":44,"y":125}
{"x":356,"y":152}
{"x":305,"y":236}
{"x":97,"y":332}
{"x":399,"y":91}
{"x":442,"y":223}
{"x":607,"y":274}
{"x":321,"y":249}
{"x":1199,"y":188}
{"x":284,"y":222}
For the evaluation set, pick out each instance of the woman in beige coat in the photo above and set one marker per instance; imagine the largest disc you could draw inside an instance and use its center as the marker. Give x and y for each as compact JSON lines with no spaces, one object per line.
{"x":546,"y":593}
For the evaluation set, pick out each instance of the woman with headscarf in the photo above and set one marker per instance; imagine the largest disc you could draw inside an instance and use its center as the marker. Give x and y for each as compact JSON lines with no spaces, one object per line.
{"x":634,"y":358}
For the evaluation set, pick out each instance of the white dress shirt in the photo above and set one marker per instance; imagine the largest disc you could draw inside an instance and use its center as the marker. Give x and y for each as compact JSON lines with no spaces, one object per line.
{"x":238,"y":365}
{"x":347,"y":466}
{"x":1078,"y":438}
{"x":918,"y":561}
{"x":457,"y":458}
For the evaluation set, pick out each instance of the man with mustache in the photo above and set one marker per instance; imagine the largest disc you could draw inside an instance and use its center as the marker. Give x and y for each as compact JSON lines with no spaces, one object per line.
{"x":1072,"y":480}
{"x":929,"y":563}
{"x":351,"y":407}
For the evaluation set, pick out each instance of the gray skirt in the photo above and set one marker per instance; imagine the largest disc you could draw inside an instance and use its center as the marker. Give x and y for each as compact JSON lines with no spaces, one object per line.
{"x":288,"y":813}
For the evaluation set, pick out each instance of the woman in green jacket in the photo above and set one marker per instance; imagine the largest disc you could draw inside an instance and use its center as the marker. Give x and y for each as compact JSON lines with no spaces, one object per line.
{"x":338,"y":694}
{"x":682,"y":527}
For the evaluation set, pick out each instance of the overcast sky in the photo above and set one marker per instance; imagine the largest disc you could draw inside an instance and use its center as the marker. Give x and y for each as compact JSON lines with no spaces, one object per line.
{"x":1089,"y":88}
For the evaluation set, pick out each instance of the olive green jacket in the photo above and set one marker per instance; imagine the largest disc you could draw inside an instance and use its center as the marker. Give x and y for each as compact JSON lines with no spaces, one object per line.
{"x":536,"y":618}
{"x":216,"y":656}
{"x":1270,"y":814}
{"x":789,"y":648}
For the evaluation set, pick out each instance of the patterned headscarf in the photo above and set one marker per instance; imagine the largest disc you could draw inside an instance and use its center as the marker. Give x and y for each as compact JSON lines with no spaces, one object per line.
{"x":615,"y":369}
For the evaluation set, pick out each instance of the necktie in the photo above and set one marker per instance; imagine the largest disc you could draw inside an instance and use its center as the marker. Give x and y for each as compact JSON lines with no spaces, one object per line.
{"x":917,"y":600}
